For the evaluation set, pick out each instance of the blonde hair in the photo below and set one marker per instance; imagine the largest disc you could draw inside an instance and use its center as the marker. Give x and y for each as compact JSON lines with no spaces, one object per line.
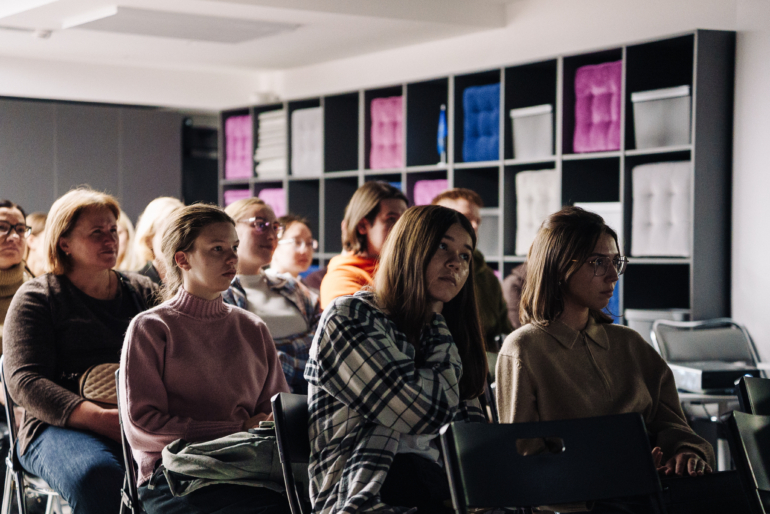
{"x":36,"y":222}
{"x":238,"y":209}
{"x":180,"y":234}
{"x":365,"y":204}
{"x":63,"y":217}
{"x":150,"y":221}
{"x":125,"y":222}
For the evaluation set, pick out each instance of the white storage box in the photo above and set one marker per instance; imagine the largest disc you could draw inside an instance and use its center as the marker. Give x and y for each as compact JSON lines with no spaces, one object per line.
{"x":661,"y":224}
{"x":307,"y":142}
{"x":611,"y":212}
{"x":641,"y":320}
{"x":662,"y":117}
{"x":537,"y":196}
{"x":532,"y":131}
{"x":489,"y":240}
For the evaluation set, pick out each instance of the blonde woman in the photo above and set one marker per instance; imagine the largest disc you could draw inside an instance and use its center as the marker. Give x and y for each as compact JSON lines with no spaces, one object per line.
{"x":59,"y":325}
{"x":35,"y":258}
{"x":125,"y":236}
{"x":145,"y":248}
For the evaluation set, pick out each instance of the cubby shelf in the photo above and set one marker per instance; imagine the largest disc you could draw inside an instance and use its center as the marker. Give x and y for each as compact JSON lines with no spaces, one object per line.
{"x":702,"y":59}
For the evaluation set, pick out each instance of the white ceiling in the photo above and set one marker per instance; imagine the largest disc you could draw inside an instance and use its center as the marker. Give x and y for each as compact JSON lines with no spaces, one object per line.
{"x":108,"y":32}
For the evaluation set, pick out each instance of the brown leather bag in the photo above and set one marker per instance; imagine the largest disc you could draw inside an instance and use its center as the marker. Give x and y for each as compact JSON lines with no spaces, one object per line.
{"x":97,"y":384}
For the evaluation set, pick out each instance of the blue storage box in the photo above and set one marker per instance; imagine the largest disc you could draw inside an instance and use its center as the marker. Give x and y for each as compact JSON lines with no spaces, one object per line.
{"x":481,"y":130}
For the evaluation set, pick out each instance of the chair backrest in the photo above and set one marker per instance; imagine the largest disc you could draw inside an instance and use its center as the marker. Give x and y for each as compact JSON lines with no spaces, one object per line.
{"x":720,"y":339}
{"x":750,"y":444}
{"x":128,"y":458}
{"x":10,"y":416}
{"x":290,"y":412}
{"x":602,"y":458}
{"x":754,"y":395}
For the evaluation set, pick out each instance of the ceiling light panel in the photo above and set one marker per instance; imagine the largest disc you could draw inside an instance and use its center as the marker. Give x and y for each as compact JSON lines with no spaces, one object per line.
{"x":191,"y":27}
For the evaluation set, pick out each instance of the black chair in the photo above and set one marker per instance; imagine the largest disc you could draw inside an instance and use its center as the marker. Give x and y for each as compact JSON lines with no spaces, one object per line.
{"x":754,"y":395}
{"x":601,"y":458}
{"x":129,"y":494}
{"x":750,"y":446}
{"x":15,"y":475}
{"x":291,"y":428}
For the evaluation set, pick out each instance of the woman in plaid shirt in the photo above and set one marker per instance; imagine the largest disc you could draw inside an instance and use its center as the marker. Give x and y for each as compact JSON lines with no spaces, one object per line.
{"x":389,"y":367}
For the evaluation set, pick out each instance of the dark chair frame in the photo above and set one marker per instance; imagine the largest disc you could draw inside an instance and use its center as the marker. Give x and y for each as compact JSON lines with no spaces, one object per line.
{"x":129,"y":493}
{"x":604,"y":458}
{"x":290,"y":412}
{"x":754,"y":395}
{"x":747,"y":433}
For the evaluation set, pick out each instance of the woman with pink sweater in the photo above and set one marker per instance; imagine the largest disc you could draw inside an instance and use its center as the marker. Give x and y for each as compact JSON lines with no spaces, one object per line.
{"x":195,"y":368}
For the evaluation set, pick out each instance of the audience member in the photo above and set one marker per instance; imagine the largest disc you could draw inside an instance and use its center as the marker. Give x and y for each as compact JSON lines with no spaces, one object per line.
{"x":289,"y":309}
{"x":197,"y":369}
{"x":58,"y":326}
{"x":13,"y":230}
{"x":296,"y":245}
{"x":35,"y":257}
{"x":145,"y":249}
{"x":390,"y":367}
{"x":569,"y":360}
{"x":489,"y":295}
{"x":513,"y":284}
{"x":125,"y":236}
{"x":369,"y":217}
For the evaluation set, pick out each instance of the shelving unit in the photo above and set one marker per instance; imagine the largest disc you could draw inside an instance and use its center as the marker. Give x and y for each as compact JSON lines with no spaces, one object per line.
{"x":702,"y":59}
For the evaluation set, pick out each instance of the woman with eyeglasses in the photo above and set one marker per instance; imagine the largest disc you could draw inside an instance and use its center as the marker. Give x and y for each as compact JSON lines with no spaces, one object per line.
{"x":296,"y":246}
{"x":569,"y":361}
{"x":13,"y":273}
{"x":290,"y":311}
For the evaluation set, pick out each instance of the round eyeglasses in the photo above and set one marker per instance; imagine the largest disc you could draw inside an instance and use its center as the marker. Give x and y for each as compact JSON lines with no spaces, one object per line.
{"x":602,"y":264}
{"x":262,"y":225}
{"x":299,"y":243}
{"x":20,"y":228}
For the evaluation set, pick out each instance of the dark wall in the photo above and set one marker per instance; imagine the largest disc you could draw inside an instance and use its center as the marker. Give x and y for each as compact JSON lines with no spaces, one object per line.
{"x":46,"y":148}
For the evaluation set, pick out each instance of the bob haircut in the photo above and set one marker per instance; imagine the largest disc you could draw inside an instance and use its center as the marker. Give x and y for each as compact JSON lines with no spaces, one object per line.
{"x":565,"y":240}
{"x":11,"y":205}
{"x":365,"y":204}
{"x":150,"y":221}
{"x":401,"y":288}
{"x":237,"y":209}
{"x":63,"y":217}
{"x":180,"y":234}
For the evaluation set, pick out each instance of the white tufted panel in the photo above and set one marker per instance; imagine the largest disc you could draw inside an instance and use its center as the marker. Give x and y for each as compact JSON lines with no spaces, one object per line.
{"x":662,"y":219}
{"x":537,"y":196}
{"x":307,"y":142}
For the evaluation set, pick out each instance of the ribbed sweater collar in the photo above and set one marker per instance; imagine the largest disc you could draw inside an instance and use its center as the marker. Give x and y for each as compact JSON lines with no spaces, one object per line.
{"x":11,"y":279}
{"x":198,"y":308}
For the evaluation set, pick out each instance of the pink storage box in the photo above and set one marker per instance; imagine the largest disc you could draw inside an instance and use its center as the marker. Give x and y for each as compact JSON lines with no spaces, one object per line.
{"x":597,"y":107}
{"x":276,"y":199}
{"x":238,"y":142}
{"x":233,"y":195}
{"x":387,"y":133}
{"x":426,"y":190}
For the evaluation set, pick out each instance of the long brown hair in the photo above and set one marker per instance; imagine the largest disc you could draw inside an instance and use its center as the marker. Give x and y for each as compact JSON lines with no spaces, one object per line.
{"x":181,"y":231}
{"x":401,"y":288}
{"x":565,"y":240}
{"x":365,"y":204}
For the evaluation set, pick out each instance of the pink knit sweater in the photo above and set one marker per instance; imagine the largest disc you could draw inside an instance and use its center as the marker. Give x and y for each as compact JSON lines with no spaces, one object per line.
{"x":193,"y":369}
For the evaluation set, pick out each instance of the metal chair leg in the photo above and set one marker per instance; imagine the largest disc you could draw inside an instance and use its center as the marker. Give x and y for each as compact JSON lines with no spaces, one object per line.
{"x":49,"y":504}
{"x":19,"y":479}
{"x":7,"y":492}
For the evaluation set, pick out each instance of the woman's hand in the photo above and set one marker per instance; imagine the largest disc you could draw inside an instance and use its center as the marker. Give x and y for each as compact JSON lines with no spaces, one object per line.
{"x":89,"y":416}
{"x":681,"y":463}
{"x":253,"y":421}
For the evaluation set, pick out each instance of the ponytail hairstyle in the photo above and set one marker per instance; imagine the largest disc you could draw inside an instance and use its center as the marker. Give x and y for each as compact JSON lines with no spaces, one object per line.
{"x":401,"y":288}
{"x":182,"y":229}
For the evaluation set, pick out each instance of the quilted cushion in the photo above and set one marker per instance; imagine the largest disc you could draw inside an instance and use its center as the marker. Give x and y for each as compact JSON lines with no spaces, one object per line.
{"x":662,"y":219}
{"x":597,"y":107}
{"x":426,"y":190}
{"x":387,"y":133}
{"x":233,"y":195}
{"x":98,"y":383}
{"x":275,"y":198}
{"x":238,"y":131}
{"x":537,"y":196}
{"x":481,"y":127}
{"x":307,"y":142}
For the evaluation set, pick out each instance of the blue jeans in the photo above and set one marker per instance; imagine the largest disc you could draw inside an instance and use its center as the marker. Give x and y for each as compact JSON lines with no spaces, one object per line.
{"x":86,"y":469}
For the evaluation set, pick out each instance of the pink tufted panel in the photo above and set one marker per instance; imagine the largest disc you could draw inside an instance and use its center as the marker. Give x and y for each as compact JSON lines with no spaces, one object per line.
{"x":233,"y":195}
{"x":275,"y":198}
{"x":238,"y":162}
{"x":426,"y":190}
{"x":387,"y":133}
{"x":597,"y":107}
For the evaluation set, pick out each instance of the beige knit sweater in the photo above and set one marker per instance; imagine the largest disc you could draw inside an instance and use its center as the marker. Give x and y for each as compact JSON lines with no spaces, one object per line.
{"x":555,"y":372}
{"x":10,"y":281}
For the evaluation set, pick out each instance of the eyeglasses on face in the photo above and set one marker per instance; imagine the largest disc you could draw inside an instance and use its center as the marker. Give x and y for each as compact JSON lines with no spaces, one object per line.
{"x":261,"y":225}
{"x":299,"y":243}
{"x":602,"y":264}
{"x":20,"y":228}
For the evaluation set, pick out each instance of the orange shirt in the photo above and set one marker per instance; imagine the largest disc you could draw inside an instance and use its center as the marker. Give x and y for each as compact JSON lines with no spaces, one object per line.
{"x":346,"y":274}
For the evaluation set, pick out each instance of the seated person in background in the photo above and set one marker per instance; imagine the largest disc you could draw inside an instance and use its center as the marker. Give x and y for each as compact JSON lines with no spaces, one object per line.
{"x":370,"y":215}
{"x":13,"y":231}
{"x":36,"y":258}
{"x":296,"y":246}
{"x":145,"y":251}
{"x":195,"y":368}
{"x":569,"y":360}
{"x":287,"y":307}
{"x":59,"y":325}
{"x":389,"y":367}
{"x":513,"y":284}
{"x":125,"y":236}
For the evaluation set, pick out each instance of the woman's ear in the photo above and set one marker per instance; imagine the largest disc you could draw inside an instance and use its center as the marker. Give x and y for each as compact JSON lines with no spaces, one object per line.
{"x":64,"y":245}
{"x":363,"y":227}
{"x":181,"y":260}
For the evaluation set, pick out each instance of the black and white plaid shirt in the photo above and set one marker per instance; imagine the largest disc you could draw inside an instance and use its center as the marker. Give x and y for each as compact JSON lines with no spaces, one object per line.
{"x":368,"y":386}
